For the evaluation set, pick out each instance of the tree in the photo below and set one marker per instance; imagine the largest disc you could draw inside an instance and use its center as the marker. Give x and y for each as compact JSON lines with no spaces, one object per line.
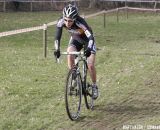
{"x":84,"y":3}
{"x":89,"y":3}
{"x":93,"y":3}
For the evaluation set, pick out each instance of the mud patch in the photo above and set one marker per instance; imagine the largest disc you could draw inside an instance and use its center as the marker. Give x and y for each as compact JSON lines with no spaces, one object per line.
{"x":157,"y":41}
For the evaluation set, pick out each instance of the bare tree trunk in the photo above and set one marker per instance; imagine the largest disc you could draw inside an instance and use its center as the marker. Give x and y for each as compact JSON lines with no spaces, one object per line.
{"x":93,"y":3}
{"x":53,"y":5}
{"x":84,"y":3}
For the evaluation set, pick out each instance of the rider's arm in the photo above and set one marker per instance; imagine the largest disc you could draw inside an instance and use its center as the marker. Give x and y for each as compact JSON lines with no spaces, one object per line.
{"x":90,"y":37}
{"x":87,"y":30}
{"x":58,"y":38}
{"x":59,"y":28}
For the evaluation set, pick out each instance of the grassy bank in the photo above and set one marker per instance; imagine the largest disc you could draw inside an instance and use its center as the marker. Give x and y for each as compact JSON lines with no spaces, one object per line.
{"x":128,"y":73}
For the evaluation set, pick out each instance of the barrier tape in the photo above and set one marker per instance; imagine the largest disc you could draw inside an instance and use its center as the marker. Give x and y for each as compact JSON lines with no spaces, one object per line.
{"x":8,"y":33}
{"x":143,"y":9}
{"x":92,"y":15}
{"x":52,"y":23}
{"x":13,"y":32}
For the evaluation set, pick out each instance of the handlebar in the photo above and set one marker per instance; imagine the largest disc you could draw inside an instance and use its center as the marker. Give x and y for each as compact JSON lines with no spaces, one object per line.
{"x":69,"y":53}
{"x":72,"y":53}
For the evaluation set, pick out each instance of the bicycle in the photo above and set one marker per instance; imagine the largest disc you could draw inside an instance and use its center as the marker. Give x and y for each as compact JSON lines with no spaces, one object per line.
{"x":73,"y":94}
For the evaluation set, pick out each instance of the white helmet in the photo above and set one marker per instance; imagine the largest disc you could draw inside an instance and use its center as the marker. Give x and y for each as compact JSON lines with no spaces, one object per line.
{"x":70,"y":11}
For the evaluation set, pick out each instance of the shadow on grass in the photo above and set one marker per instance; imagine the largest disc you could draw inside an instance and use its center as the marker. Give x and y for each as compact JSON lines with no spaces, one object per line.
{"x":114,"y":115}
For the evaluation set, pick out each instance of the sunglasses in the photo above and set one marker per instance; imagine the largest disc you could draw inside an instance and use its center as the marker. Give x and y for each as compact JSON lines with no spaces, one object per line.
{"x":69,"y":21}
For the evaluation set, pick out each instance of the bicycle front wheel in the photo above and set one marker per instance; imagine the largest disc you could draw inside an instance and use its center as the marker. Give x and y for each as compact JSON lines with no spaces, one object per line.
{"x":73,"y":94}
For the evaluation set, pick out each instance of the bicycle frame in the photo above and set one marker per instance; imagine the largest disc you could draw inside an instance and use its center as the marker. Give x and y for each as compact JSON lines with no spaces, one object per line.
{"x":80,"y":57}
{"x":84,"y":67}
{"x":85,"y":88}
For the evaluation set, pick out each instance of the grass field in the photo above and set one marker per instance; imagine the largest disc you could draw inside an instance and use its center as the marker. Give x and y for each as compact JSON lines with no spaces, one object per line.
{"x":128,"y":72}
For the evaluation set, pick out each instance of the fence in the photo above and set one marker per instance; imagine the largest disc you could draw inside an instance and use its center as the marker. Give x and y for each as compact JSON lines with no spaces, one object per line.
{"x":44,"y":27}
{"x":48,"y":5}
{"x":107,"y":4}
{"x":34,"y":5}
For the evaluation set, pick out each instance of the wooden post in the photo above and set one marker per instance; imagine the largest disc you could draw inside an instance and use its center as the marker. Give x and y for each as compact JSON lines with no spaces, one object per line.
{"x":45,"y":40}
{"x":117,"y":15}
{"x":4,"y":6}
{"x":104,"y":18}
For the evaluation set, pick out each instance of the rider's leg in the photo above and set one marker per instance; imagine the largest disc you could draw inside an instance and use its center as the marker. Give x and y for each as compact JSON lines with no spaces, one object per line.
{"x":92,"y":71}
{"x":91,"y":68}
{"x":74,"y":45}
{"x":70,"y":58}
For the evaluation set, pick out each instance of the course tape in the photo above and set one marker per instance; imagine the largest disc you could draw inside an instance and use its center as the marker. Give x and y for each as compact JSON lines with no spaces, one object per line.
{"x":13,"y":32}
{"x":8,"y":33}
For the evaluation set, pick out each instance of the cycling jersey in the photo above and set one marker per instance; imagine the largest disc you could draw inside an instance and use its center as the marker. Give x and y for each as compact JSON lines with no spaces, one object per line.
{"x":80,"y":32}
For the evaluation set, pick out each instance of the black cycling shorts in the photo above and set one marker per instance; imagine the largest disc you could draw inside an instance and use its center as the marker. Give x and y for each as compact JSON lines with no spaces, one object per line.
{"x":79,"y":45}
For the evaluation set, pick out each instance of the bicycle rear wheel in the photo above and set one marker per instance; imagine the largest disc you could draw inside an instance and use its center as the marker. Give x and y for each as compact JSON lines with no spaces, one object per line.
{"x":73,"y":94}
{"x":89,"y":101}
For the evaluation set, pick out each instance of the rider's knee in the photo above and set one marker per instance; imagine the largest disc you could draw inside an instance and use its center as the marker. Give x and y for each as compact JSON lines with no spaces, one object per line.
{"x":91,"y":67}
{"x":68,"y":49}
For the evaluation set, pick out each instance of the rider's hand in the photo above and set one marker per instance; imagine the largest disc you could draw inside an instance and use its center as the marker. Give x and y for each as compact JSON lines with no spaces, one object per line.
{"x":57,"y":53}
{"x":87,"y":52}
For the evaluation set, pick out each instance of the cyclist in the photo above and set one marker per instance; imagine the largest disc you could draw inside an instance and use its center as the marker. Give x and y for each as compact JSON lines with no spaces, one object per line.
{"x":81,"y":34}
